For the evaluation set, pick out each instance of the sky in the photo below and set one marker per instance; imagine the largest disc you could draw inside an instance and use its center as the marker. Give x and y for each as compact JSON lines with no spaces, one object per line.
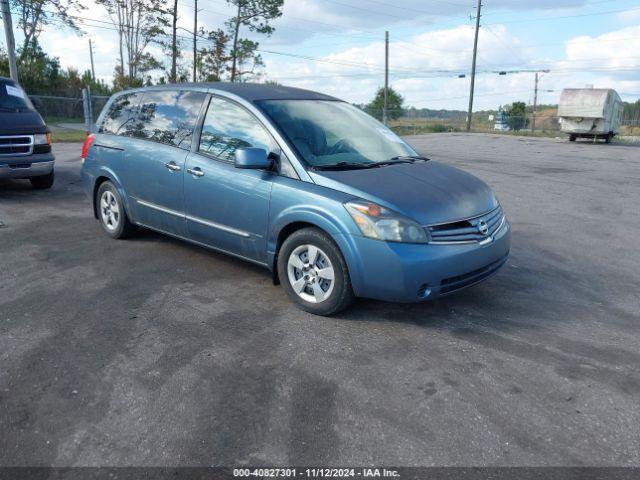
{"x":337,"y":47}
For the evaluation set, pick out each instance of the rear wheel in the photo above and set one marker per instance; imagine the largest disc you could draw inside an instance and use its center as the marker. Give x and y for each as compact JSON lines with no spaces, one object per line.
{"x":572,"y":138}
{"x":608,"y":138}
{"x":43,"y":182}
{"x":113,"y":217}
{"x":314,"y":273}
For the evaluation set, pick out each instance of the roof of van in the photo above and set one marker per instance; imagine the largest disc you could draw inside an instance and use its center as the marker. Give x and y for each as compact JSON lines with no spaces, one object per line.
{"x":251,"y":91}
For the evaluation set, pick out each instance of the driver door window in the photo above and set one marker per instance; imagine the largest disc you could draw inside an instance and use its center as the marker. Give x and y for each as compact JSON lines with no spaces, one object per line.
{"x":227,"y":127}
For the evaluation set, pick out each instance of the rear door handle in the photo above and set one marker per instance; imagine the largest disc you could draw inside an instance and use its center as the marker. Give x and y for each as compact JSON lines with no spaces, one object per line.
{"x":197,"y":172}
{"x":173,"y":167}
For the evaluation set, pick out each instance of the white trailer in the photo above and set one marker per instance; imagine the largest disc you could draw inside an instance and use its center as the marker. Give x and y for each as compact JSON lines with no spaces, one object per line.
{"x":590,"y":113}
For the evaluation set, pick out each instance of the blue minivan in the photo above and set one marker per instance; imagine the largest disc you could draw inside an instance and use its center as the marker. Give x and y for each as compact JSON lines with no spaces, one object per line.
{"x":331,"y":201}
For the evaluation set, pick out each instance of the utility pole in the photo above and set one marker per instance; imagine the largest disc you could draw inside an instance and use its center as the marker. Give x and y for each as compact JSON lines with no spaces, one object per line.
{"x":93,"y":69}
{"x":234,"y":51}
{"x":473,"y":66}
{"x":195,"y":40}
{"x":385,"y":116}
{"x":11,"y":42}
{"x":535,"y":106}
{"x":174,"y":46}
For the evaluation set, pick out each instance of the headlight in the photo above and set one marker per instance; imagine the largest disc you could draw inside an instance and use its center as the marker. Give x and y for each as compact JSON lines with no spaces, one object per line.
{"x":42,"y":139}
{"x":381,"y":223}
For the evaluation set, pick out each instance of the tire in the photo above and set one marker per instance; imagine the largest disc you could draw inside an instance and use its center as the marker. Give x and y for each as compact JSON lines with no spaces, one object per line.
{"x":308,"y":284}
{"x":572,"y":138}
{"x":608,"y":138}
{"x":111,"y":213}
{"x":43,"y":182}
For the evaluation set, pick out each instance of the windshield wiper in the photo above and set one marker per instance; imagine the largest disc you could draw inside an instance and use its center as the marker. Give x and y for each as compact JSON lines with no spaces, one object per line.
{"x":393,"y":161}
{"x":343,"y":166}
{"x":405,"y":159}
{"x":353,"y":165}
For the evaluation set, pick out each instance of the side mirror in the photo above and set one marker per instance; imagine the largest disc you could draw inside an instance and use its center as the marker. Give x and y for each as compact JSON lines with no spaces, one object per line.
{"x":252,"y":158}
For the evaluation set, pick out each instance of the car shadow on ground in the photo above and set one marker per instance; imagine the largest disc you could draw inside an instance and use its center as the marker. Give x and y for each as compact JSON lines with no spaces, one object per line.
{"x":9,"y":185}
{"x":493,"y":302}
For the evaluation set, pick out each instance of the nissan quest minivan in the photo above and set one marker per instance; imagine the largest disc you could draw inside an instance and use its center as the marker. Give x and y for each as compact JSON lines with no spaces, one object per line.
{"x":331,"y":201}
{"x":25,"y":140}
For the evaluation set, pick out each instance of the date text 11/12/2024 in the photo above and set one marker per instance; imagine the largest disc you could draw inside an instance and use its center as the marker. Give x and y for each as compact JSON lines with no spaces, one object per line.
{"x":316,"y":472}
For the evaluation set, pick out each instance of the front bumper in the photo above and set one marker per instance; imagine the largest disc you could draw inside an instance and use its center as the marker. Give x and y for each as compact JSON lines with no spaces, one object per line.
{"x":401,"y":272}
{"x":26,"y":166}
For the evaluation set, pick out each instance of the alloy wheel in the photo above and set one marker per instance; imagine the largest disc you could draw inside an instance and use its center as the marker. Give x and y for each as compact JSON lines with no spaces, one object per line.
{"x":311,"y":273}
{"x":109,"y":210}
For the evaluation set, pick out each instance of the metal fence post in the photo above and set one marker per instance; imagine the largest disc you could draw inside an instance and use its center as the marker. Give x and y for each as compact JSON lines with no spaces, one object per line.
{"x":88,"y":113}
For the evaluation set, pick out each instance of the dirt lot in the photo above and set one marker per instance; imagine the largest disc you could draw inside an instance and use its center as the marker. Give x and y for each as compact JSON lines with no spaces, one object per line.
{"x":154,"y":352}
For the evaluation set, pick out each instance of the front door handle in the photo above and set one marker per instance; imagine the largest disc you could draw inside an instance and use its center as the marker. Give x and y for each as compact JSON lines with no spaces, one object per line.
{"x":195,"y":172}
{"x":173,"y":167}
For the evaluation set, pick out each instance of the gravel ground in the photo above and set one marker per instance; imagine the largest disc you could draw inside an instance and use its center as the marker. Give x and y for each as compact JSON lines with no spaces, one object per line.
{"x":150,"y":351}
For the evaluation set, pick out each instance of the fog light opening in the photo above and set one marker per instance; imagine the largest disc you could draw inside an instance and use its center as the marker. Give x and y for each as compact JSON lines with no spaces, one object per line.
{"x":424,"y":291}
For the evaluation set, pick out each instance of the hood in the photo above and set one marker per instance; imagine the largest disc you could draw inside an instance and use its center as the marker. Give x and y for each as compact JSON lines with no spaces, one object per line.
{"x":427,"y":192}
{"x":21,"y":123}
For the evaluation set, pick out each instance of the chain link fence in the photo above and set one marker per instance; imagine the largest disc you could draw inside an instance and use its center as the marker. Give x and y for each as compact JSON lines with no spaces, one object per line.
{"x":545,"y":123}
{"x":67,"y":114}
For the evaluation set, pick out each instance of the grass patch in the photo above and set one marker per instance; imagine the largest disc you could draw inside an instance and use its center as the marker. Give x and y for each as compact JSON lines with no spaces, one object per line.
{"x":53,"y":120}
{"x":65,"y":136}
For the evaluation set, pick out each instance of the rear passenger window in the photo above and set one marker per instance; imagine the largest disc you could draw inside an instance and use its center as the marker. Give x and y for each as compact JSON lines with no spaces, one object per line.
{"x":120,"y":117}
{"x":169,"y":117}
{"x":228,"y":127}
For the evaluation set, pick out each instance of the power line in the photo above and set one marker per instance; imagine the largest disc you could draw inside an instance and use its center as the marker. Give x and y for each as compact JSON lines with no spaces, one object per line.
{"x":544,"y":19}
{"x":418,"y":10}
{"x":417,"y":73}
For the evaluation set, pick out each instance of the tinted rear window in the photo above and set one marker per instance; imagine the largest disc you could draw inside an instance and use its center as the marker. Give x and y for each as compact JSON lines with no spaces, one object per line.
{"x":169,"y":117}
{"x":120,"y":118}
{"x":13,"y":98}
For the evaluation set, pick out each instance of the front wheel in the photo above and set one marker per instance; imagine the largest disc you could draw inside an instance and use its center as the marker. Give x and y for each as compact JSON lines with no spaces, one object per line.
{"x":43,"y":182}
{"x":313,"y":272}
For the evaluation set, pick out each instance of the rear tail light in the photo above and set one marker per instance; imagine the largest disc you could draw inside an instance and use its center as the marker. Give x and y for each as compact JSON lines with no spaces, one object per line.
{"x":87,"y":145}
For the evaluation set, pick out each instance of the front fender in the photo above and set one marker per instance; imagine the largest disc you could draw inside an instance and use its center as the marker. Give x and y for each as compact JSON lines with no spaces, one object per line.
{"x":106,"y":172}
{"x":295,"y":202}
{"x":339,"y":227}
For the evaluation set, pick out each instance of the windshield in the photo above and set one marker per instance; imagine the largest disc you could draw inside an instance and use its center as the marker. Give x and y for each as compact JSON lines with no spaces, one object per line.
{"x":13,"y":98}
{"x":334,"y":133}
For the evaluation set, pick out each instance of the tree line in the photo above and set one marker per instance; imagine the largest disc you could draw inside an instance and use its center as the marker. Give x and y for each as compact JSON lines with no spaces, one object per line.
{"x":221,"y":54}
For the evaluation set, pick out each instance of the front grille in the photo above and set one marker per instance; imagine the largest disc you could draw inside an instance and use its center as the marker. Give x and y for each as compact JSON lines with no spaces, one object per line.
{"x":472,"y":230}
{"x":16,"y":145}
{"x":451,"y":284}
{"x":23,"y":139}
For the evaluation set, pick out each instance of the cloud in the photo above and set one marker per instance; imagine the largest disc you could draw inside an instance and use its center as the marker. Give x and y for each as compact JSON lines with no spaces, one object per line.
{"x":424,"y":64}
{"x":424,"y":68}
{"x":629,"y":16}
{"x":618,"y":49}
